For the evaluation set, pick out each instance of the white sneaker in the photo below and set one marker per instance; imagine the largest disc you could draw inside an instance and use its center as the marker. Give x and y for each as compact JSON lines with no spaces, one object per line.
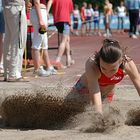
{"x":134,"y":36}
{"x":52,"y":71}
{"x":41,"y":72}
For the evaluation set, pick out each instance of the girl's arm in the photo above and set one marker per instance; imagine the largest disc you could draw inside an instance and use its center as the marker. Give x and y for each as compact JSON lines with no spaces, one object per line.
{"x":49,"y":4}
{"x":133,"y":73}
{"x":92,"y":75}
{"x":39,"y":15}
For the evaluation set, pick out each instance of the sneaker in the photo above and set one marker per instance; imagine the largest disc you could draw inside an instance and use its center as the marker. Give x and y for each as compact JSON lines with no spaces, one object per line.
{"x":134,"y":36}
{"x":58,"y":65}
{"x":52,"y":71}
{"x":41,"y":72}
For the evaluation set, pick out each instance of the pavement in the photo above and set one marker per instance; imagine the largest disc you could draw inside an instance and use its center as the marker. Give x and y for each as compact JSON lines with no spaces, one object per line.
{"x":82,"y":48}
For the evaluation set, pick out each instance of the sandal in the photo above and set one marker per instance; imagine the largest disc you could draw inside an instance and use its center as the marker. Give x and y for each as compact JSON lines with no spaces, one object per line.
{"x":21,"y":79}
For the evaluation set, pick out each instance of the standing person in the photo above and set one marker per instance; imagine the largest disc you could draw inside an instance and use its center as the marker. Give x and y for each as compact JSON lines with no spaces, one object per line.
{"x":61,"y":10}
{"x":108,"y":12}
{"x":121,"y":12}
{"x":39,"y":21}
{"x":2,"y":30}
{"x":76,"y":18}
{"x":104,"y":71}
{"x":133,"y":7}
{"x":96,"y":20}
{"x":89,"y":18}
{"x":83,"y":18}
{"x":15,"y":39}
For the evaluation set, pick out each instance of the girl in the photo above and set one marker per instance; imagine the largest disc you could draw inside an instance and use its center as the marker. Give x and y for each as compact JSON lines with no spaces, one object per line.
{"x":104,"y":71}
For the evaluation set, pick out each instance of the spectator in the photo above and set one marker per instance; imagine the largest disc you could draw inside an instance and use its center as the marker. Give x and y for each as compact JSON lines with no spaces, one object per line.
{"x":76,"y":18}
{"x":61,"y":10}
{"x":39,"y":21}
{"x":108,"y":12}
{"x":2,"y":30}
{"x":96,"y":20}
{"x":121,"y":13}
{"x":83,"y":18}
{"x":15,"y":39}
{"x":133,"y":7}
{"x":89,"y":18}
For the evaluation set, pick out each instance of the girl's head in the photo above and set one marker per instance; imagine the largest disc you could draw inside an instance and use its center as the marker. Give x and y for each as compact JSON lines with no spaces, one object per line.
{"x":109,"y":58}
{"x":76,"y":7}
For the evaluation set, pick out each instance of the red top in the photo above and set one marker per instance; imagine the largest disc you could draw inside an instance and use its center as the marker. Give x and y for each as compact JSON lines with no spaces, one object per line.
{"x":83,"y":13}
{"x":61,"y":10}
{"x":116,"y":78}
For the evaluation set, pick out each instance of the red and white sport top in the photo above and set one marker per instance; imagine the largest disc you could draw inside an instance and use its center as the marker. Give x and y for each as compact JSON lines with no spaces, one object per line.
{"x":116,"y":78}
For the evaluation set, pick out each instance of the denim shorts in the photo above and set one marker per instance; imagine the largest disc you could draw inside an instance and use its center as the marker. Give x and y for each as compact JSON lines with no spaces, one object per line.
{"x":63,"y":28}
{"x":2,"y":27}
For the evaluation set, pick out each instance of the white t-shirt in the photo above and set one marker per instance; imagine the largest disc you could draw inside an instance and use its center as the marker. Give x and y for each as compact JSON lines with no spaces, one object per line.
{"x":96,"y":13}
{"x":76,"y":14}
{"x":121,"y":11}
{"x":88,"y":13}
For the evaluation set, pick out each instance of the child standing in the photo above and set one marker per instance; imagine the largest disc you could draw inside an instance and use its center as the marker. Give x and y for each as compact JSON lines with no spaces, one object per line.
{"x":96,"y":20}
{"x":76,"y":18}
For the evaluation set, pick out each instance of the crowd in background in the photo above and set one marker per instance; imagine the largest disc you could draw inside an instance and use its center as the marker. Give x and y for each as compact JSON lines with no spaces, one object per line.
{"x":16,"y":30}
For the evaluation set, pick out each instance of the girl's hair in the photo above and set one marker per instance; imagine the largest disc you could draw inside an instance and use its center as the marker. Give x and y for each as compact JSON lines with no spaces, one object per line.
{"x":110,"y":52}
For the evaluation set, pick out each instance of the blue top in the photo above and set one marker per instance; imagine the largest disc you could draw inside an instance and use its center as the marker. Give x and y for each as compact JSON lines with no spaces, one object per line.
{"x":132,"y":4}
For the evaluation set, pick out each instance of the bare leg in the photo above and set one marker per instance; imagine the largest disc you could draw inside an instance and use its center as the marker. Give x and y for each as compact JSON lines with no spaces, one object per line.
{"x":36,"y":58}
{"x":46,"y":58}
{"x":61,"y":48}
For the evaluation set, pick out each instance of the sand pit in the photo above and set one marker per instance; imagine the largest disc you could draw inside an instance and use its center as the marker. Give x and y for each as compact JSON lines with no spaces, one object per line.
{"x":62,"y":118}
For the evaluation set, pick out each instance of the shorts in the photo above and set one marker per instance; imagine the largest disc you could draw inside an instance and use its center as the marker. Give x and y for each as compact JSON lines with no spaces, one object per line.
{"x":88,"y":19}
{"x":2,"y":26}
{"x":96,"y":20}
{"x":75,"y":24}
{"x":84,"y":90}
{"x":63,"y":28}
{"x":39,"y":41}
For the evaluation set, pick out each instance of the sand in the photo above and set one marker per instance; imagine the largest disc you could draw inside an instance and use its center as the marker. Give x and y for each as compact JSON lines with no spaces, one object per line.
{"x":121,"y":120}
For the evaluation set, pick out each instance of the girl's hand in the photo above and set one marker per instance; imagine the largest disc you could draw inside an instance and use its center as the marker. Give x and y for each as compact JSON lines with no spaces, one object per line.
{"x":28,"y":5}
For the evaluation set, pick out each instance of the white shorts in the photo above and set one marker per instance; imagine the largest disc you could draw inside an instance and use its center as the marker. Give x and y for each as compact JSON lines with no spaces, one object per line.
{"x":39,"y":40}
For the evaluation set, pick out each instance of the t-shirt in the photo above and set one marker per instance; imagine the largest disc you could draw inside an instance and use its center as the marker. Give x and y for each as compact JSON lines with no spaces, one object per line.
{"x":121,"y":11}
{"x":61,"y":10}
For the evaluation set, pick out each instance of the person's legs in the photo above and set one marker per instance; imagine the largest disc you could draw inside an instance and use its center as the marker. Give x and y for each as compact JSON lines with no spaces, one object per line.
{"x":36,"y":58}
{"x":61,"y":48}
{"x":23,"y":39}
{"x":46,"y":58}
{"x":68,"y":55}
{"x":131,"y":25}
{"x":65,"y":45}
{"x":135,"y":20}
{"x":2,"y":30}
{"x":6,"y":49}
{"x":1,"y":51}
{"x":11,"y":43}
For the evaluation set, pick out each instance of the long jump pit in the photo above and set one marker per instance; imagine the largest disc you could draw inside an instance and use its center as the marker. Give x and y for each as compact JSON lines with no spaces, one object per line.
{"x":58,"y":113}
